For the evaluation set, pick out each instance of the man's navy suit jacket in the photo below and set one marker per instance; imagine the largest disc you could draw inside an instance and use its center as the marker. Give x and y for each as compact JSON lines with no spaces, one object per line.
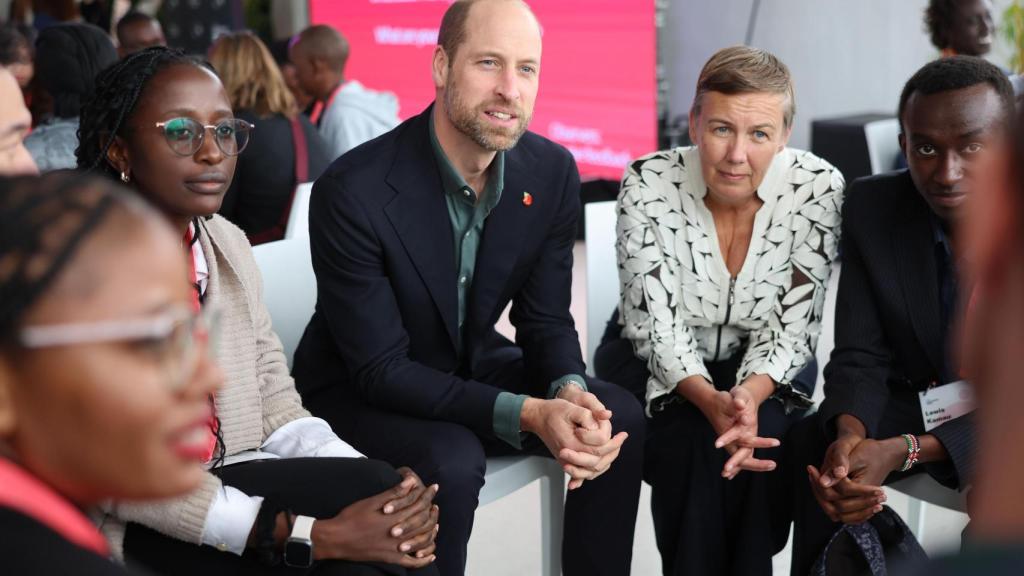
{"x":889,"y":340}
{"x":385,"y":329}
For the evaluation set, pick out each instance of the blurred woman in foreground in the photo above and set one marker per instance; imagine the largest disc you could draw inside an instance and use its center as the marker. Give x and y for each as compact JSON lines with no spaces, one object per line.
{"x":104,"y":377}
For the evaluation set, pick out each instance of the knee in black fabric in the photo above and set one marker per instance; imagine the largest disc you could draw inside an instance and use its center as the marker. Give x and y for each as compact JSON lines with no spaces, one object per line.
{"x":363,"y":475}
{"x":806,"y":443}
{"x":383,"y":473}
{"x":772,"y":420}
{"x":615,"y":363}
{"x":456,"y":461}
{"x":627,"y":412}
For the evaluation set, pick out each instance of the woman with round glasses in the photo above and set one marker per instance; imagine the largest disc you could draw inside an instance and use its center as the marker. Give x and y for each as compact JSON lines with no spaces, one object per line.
{"x":103,"y":390}
{"x":282,"y":490}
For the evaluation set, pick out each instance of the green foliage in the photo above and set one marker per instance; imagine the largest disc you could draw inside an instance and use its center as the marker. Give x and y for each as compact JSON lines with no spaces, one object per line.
{"x":1013,"y":31}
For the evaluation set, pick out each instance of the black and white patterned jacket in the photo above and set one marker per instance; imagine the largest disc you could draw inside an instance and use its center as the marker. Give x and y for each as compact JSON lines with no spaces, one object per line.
{"x":680,"y":306}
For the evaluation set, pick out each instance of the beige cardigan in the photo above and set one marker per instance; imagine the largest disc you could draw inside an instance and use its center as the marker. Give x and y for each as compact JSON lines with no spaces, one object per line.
{"x":258,"y":396}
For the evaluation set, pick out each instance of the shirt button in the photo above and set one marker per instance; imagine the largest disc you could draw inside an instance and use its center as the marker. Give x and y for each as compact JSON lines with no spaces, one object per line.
{"x":467,"y":234}
{"x":466,"y":193}
{"x":462,"y":279}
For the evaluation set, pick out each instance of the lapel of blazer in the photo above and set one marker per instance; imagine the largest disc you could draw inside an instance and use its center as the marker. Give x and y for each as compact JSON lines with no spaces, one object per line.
{"x":914,"y":244}
{"x":504,"y":234}
{"x":420,"y":218}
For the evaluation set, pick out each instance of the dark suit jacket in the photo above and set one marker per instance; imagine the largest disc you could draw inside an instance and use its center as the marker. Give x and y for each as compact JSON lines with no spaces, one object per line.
{"x":386,"y":317}
{"x":888,"y":335}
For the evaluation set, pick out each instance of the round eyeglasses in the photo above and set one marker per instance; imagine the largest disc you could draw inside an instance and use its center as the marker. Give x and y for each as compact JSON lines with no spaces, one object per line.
{"x":185,"y":136}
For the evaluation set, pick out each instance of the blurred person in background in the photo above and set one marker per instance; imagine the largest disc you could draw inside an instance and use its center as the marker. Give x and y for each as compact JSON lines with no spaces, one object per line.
{"x":16,"y":54}
{"x":286,"y":149}
{"x":68,"y":58}
{"x":280,"y":49}
{"x":137,"y":31}
{"x":46,"y":13}
{"x":103,"y":375}
{"x":37,"y":101}
{"x":15,"y":124}
{"x":346,"y":113}
{"x":961,"y":26}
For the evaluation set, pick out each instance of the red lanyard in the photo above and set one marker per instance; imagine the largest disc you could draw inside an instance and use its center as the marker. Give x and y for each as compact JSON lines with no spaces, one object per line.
{"x":197,"y":305}
{"x":192,"y":277}
{"x":26,"y":494}
{"x":320,"y":105}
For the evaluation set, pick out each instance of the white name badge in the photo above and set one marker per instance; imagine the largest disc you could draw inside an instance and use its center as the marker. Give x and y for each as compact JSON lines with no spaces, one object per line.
{"x":944,"y":403}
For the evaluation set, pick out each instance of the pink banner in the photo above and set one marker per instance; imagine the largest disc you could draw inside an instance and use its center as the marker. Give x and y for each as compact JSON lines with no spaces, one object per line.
{"x":597,"y":87}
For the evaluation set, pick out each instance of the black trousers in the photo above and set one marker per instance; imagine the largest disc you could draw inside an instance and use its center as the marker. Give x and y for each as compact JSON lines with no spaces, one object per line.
{"x":806,"y":445}
{"x":704,"y":524}
{"x":599,"y":517}
{"x":318,"y":487}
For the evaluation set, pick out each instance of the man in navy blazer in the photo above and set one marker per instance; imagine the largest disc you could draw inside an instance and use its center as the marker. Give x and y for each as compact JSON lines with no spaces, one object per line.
{"x":420,"y":239}
{"x":900,"y":299}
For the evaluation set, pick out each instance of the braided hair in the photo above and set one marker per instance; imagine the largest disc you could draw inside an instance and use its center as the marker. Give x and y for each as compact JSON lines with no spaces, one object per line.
{"x":104,"y":115}
{"x":43,"y":223}
{"x":115,"y":97}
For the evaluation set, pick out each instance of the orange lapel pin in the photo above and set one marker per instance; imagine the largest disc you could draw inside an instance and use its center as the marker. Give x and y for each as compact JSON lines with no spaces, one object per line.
{"x":527,"y":199}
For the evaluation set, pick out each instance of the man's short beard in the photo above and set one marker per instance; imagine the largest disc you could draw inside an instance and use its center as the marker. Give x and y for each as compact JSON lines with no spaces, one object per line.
{"x":467,"y":121}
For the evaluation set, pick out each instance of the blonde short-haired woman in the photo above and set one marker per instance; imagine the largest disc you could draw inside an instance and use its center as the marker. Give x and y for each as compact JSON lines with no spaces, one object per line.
{"x":724,"y":253}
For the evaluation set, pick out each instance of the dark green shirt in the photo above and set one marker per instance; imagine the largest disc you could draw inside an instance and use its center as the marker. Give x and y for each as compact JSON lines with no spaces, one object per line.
{"x":468,"y":214}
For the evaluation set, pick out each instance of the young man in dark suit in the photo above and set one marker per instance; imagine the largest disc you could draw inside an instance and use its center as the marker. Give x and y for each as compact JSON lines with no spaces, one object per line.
{"x":419,"y":239}
{"x":900,"y":299}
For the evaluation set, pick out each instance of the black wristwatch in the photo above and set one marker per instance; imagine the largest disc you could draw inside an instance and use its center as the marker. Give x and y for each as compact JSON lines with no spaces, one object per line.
{"x":298,"y":549}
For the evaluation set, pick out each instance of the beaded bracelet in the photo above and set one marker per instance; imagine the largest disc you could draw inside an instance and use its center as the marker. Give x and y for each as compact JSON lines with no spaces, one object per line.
{"x":913,"y":451}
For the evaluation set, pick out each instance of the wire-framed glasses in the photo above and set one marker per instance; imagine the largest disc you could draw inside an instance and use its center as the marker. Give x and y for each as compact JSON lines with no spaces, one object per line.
{"x":185,"y":135}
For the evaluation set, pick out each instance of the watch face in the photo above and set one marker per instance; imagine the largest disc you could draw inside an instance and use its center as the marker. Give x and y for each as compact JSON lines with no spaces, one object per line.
{"x":298,"y":553}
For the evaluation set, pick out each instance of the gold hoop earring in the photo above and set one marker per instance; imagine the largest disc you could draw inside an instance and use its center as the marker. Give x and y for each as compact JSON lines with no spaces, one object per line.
{"x":124,"y":177}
